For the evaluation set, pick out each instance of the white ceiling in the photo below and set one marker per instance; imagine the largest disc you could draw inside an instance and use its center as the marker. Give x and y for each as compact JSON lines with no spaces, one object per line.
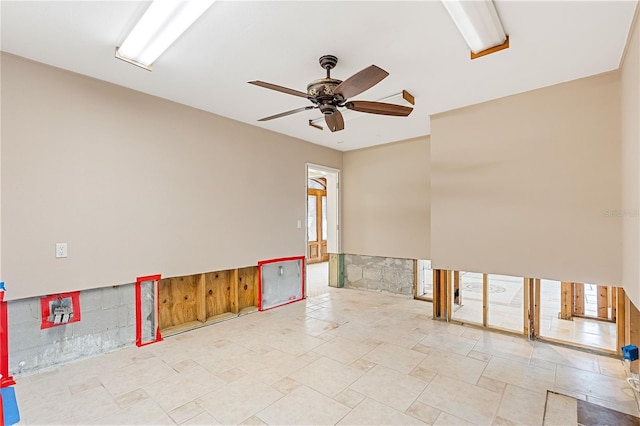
{"x":280,"y":42}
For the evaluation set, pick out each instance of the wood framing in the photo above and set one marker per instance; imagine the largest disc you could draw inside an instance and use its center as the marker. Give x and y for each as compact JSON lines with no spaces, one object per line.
{"x":620,"y":318}
{"x":578,"y":299}
{"x":603,"y":301}
{"x":528,"y":309}
{"x":566,"y":300}
{"x":485,"y":299}
{"x":536,"y":308}
{"x":441,"y":302}
{"x":457,"y":294}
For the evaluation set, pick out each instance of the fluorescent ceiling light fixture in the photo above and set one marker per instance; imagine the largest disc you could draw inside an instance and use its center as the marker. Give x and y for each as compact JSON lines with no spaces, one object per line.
{"x":161,"y":25}
{"x":403,"y":98}
{"x":478,"y":21}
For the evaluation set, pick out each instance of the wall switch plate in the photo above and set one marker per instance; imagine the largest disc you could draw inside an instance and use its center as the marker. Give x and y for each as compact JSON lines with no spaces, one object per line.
{"x":61,"y":250}
{"x":299,"y":224}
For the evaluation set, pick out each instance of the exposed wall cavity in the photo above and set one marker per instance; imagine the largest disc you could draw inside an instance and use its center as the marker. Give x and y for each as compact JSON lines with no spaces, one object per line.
{"x":383,"y":274}
{"x":108,"y":323}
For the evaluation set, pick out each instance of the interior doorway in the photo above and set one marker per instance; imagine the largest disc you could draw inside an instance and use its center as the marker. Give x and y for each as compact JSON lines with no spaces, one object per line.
{"x":322,"y":230}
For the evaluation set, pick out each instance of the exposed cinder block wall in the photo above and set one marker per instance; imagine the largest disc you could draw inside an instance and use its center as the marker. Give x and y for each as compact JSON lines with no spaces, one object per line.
{"x":384,"y":274}
{"x":107,"y":323}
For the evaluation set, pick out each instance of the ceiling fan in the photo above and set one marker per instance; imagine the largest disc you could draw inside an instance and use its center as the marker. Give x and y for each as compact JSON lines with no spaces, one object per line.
{"x":328,"y":94}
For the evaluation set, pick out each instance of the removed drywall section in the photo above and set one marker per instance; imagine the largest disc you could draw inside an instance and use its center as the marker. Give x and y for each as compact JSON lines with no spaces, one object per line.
{"x":108,"y":323}
{"x":383,"y":274}
{"x":386,"y":200}
{"x":134,"y":183}
{"x":529,"y":185}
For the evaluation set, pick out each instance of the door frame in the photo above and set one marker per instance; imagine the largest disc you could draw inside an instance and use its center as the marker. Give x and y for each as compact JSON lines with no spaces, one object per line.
{"x":334,"y":235}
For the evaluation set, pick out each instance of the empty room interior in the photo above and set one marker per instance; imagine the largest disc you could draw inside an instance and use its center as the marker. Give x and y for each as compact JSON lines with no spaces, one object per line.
{"x":320,"y":212}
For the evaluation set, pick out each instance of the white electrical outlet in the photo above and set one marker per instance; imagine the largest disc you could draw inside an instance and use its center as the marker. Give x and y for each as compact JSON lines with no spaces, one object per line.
{"x":61,"y":250}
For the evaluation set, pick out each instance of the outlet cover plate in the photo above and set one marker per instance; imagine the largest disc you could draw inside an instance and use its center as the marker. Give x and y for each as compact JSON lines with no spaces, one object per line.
{"x":61,"y":250}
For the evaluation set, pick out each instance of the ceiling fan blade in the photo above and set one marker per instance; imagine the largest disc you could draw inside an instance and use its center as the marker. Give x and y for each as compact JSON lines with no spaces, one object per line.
{"x":279,"y":88}
{"x":379,"y":108}
{"x":335,"y":121}
{"x":284,"y":114}
{"x":360,"y":81}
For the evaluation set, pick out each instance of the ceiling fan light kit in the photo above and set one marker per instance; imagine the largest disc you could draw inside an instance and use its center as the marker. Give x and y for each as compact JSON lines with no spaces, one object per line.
{"x":329,"y":94}
{"x":479,"y":24}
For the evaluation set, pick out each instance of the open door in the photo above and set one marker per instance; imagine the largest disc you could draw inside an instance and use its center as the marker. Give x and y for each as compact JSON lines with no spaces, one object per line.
{"x":317,"y":220}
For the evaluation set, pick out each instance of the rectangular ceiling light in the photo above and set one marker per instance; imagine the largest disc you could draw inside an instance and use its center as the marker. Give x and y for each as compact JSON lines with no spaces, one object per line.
{"x":479,"y":23}
{"x":161,"y":25}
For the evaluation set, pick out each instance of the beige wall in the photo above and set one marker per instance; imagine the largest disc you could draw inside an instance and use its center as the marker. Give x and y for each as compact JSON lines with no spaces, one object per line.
{"x":386,"y":200}
{"x":630,"y":90}
{"x":528,"y":185}
{"x":137,"y":185}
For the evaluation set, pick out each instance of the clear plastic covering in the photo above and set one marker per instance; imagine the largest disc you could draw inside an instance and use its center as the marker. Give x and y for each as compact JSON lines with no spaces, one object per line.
{"x":282,"y":282}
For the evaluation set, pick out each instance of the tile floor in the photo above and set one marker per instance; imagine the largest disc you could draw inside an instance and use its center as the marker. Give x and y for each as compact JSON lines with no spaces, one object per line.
{"x":339,"y":357}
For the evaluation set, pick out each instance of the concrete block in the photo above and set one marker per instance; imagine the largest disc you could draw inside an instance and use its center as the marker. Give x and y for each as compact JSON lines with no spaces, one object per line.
{"x":111,"y":298}
{"x":24,"y":336}
{"x":90,"y":300}
{"x":372,"y":273}
{"x":23,"y":310}
{"x":56,"y":334}
{"x":354,"y":273}
{"x":127,"y":294}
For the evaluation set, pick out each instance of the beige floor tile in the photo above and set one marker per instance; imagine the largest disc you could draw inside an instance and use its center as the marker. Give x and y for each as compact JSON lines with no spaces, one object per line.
{"x":343,"y":350}
{"x":522,"y":406}
{"x":179,"y":389}
{"x":564,"y":356}
{"x":423,"y":412}
{"x":423,"y":374}
{"x":238,"y":400}
{"x":272,"y":367}
{"x":144,"y":412}
{"x":560,"y":410}
{"x":130,"y":398}
{"x":253,"y":421}
{"x":594,"y":385}
{"x":453,"y":365}
{"x":134,"y":376}
{"x":395,"y":357}
{"x":449,"y":342}
{"x":202,"y":419}
{"x":327,"y":376}
{"x":185,"y":412}
{"x":389,"y":387}
{"x":495,"y":344}
{"x":491,"y":384}
{"x":519,"y":374}
{"x":371,"y":412}
{"x":349,"y":397}
{"x":286,"y":385}
{"x":303,"y":406}
{"x":446,"y":419}
{"x":475,"y":404}
{"x":90,"y":404}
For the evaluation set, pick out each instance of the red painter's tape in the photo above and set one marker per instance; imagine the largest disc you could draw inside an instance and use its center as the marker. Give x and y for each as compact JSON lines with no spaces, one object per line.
{"x":139,"y":281}
{"x":282,"y":259}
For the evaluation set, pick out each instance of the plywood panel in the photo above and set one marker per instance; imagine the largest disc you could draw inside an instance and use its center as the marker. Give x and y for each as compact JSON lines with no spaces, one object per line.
{"x":178,"y":300}
{"x":218,"y":290}
{"x":247,"y":287}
